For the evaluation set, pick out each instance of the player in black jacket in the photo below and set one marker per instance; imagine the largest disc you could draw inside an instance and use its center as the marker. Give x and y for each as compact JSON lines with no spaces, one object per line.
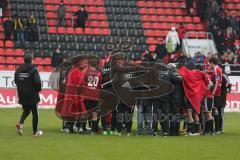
{"x":28,"y":84}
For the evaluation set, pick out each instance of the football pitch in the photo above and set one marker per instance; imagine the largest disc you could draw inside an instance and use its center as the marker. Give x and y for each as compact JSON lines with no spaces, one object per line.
{"x":54,"y":145}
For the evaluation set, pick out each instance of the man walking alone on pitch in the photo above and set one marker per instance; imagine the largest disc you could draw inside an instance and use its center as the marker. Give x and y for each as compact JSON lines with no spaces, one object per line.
{"x":28,"y":84}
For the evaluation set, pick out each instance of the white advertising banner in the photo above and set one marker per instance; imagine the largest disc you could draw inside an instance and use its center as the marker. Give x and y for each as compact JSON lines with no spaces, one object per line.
{"x":191,"y":46}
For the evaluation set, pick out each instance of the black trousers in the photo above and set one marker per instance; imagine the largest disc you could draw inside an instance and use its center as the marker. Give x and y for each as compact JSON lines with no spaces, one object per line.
{"x":26,"y":111}
{"x":124,"y":116}
{"x":7,"y":35}
{"x":160,"y":114}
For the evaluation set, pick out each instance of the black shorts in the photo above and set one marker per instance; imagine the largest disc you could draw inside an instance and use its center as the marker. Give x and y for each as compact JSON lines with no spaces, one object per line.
{"x":217,"y":101}
{"x":189,"y":105}
{"x":208,"y":104}
{"x":92,"y":105}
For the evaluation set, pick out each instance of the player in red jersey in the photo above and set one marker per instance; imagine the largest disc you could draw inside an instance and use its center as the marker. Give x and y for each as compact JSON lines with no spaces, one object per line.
{"x":72,"y":104}
{"x":217,"y":76}
{"x":208,"y":103}
{"x":91,"y":82}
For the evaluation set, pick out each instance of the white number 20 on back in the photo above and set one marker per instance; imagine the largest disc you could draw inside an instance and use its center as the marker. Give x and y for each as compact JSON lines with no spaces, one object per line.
{"x":93,"y":81}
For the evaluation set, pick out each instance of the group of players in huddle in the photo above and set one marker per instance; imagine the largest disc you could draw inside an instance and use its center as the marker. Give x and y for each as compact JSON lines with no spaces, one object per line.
{"x":169,"y":110}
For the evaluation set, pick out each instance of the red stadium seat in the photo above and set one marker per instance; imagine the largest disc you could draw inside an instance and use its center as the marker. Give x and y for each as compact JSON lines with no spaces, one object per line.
{"x":101,"y":10}
{"x":79,"y":31}
{"x":88,"y":31}
{"x":92,"y":9}
{"x":151,"y":40}
{"x":38,"y":61}
{"x":103,"y":24}
{"x":40,"y":68}
{"x":154,"y":18}
{"x":2,"y":51}
{"x":9,"y":44}
{"x":47,"y":61}
{"x":48,"y":69}
{"x":152,"y":11}
{"x":105,"y":31}
{"x":61,"y":30}
{"x":141,"y":3}
{"x":145,"y":18}
{"x":190,"y":27}
{"x":188,"y":19}
{"x":169,"y":11}
{"x":2,"y":59}
{"x":97,"y":31}
{"x":70,"y":30}
{"x":2,"y":67}
{"x":160,"y":12}
{"x":11,"y":67}
{"x":156,"y":26}
{"x":102,"y":17}
{"x":9,"y":52}
{"x":19,"y":52}
{"x":51,"y":15}
{"x":142,"y":11}
{"x":158,"y":4}
{"x":98,"y":3}
{"x":196,"y":20}
{"x":19,"y":60}
{"x":171,"y":19}
{"x":52,"y":22}
{"x":147,"y":25}
{"x":150,"y":4}
{"x":1,"y":43}
{"x":10,"y":60}
{"x":152,"y":48}
{"x":179,"y":19}
{"x":52,"y":30}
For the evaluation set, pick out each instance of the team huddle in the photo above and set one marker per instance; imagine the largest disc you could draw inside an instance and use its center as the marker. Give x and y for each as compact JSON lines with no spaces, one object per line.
{"x":198,"y":99}
{"x":92,"y":90}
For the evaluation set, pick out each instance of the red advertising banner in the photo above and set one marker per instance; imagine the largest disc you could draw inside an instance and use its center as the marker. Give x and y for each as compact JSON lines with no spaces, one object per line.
{"x":8,"y":98}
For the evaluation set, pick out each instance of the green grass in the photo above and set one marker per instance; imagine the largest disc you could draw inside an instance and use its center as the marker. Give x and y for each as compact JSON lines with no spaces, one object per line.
{"x":55,"y":145}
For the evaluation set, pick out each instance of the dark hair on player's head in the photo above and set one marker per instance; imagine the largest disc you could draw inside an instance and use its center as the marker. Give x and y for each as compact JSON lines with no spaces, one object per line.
{"x":93,"y":62}
{"x":181,"y":64}
{"x":213,"y":60}
{"x":28,"y":59}
{"x":190,"y":65}
{"x":199,"y":67}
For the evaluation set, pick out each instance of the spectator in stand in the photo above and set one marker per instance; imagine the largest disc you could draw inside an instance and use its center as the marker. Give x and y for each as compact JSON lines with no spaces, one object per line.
{"x":228,"y":57}
{"x":32,"y":30}
{"x":82,"y":16}
{"x":234,"y":24}
{"x":57,"y":58}
{"x":212,"y":8}
{"x":198,"y":58}
{"x":237,"y":60}
{"x":189,"y":7}
{"x":229,"y":39}
{"x":19,"y":30}
{"x":220,"y":42}
{"x":220,"y":2}
{"x":61,"y":12}
{"x":3,"y":7}
{"x":223,"y":22}
{"x":150,"y":57}
{"x":172,"y":40}
{"x":202,"y":12}
{"x":161,"y":49}
{"x":181,"y":33}
{"x":8,"y":26}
